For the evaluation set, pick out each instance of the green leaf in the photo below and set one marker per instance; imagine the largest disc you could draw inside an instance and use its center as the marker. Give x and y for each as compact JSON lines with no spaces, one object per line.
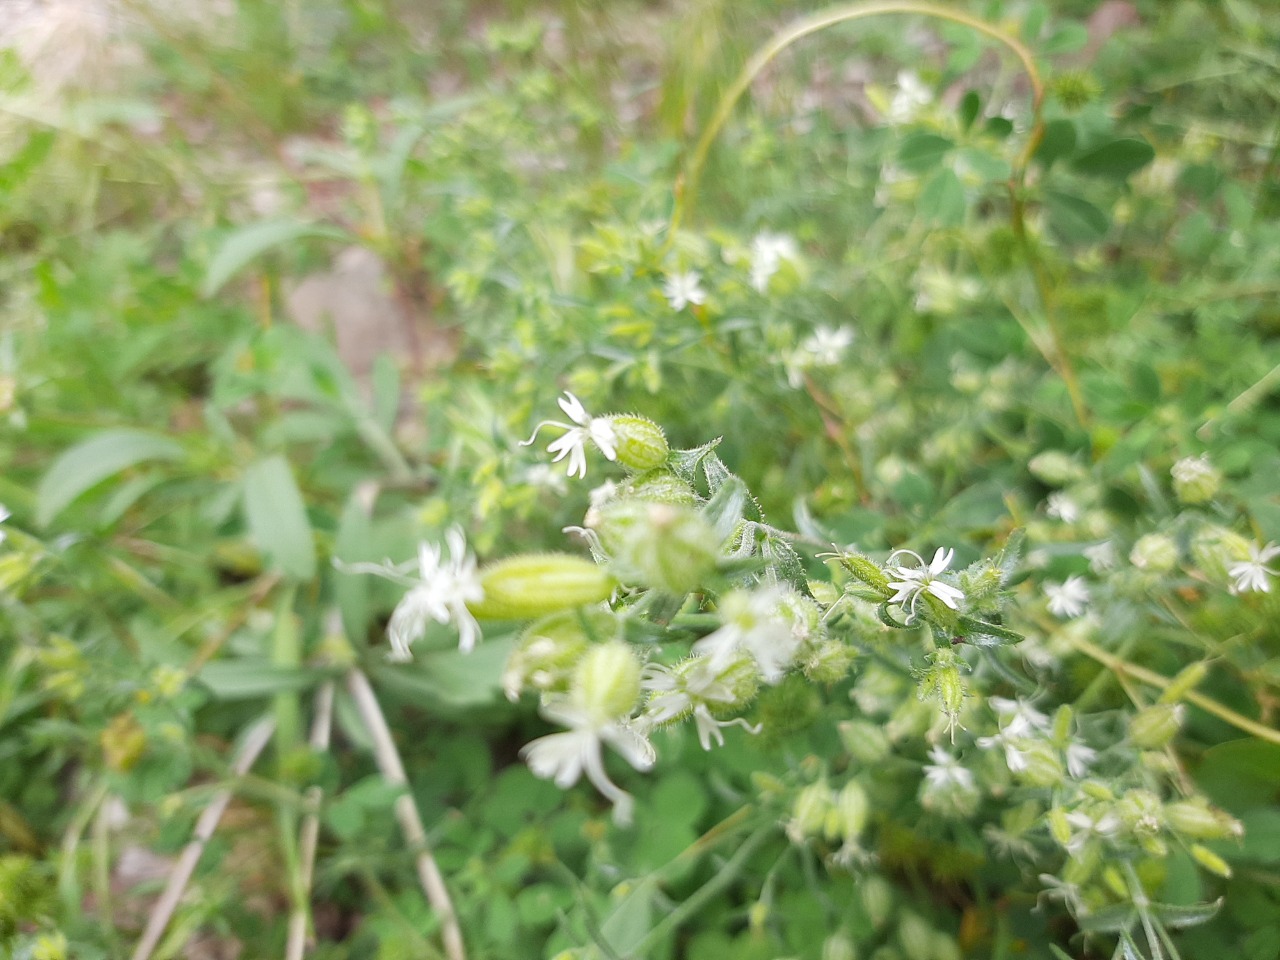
{"x":942,"y":201}
{"x":91,"y":461}
{"x":352,"y":544}
{"x":970,"y":104}
{"x":631,"y":920}
{"x":277,"y":519}
{"x":251,"y":677}
{"x":922,"y":151}
{"x":451,"y":678}
{"x":245,"y":244}
{"x":1074,"y":219}
{"x":725,"y":510}
{"x":1068,"y":38}
{"x":1058,"y":141}
{"x":1116,"y":160}
{"x":1190,"y":915}
{"x":1113,"y":919}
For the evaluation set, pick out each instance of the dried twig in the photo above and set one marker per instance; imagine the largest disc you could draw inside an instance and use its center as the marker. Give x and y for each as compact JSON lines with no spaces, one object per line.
{"x":321,"y":726}
{"x":392,"y":768}
{"x":254,"y":743}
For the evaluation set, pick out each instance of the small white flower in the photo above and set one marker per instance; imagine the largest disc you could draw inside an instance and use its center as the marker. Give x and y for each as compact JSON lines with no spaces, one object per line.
{"x":768,"y":250}
{"x":1191,"y":469}
{"x":1086,"y":827}
{"x":1251,"y":575}
{"x":910,"y":96}
{"x":440,"y":592}
{"x":1015,"y":757}
{"x":682,"y":289}
{"x":688,"y":692}
{"x":1101,"y":556}
{"x":946,"y":770}
{"x":4,"y":515}
{"x":825,"y":347}
{"x":1068,"y":599}
{"x":912,"y":582}
{"x":564,"y":757}
{"x":753,"y":624}
{"x":573,"y":444}
{"x":1062,"y":507}
{"x":1019,"y":718}
{"x":1079,"y":757}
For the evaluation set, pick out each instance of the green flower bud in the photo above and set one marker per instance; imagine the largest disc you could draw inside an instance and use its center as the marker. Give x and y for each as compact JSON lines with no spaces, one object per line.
{"x":1210,"y":860}
{"x":641,"y":443}
{"x":664,"y":546}
{"x":660,"y":486}
{"x":1154,"y":727}
{"x":606,"y":681}
{"x":877,"y":899}
{"x":1043,"y":768}
{"x":1059,"y":828}
{"x":1142,"y":812}
{"x":916,"y":937}
{"x":838,"y":946}
{"x":1195,"y":480}
{"x":549,"y":649}
{"x":1214,"y":549}
{"x":847,"y":819}
{"x":1199,"y":821}
{"x":828,"y":661}
{"x":1097,"y":790}
{"x":535,"y":585}
{"x":1187,"y":680}
{"x":866,"y":742}
{"x":866,"y":570}
{"x":1155,"y":553}
{"x":809,"y":812}
{"x":1055,"y":468}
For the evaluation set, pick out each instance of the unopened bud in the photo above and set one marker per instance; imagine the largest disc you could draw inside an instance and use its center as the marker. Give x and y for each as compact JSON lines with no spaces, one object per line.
{"x":664,"y":546}
{"x":660,"y":486}
{"x":1142,"y":812}
{"x":877,"y":899}
{"x":809,"y":811}
{"x":866,"y":570}
{"x":1055,"y":468}
{"x":1097,"y":790}
{"x":848,"y":817}
{"x":1062,"y":721}
{"x":1210,"y":860}
{"x":1154,"y":727}
{"x":1199,"y":821}
{"x":829,"y":661}
{"x":549,"y":649}
{"x":536,"y":585}
{"x":1059,"y":827}
{"x":866,"y":742}
{"x":1195,"y":480}
{"x":606,"y":681}
{"x":1043,"y":768}
{"x":1154,"y":553}
{"x":641,"y":443}
{"x":1187,"y":680}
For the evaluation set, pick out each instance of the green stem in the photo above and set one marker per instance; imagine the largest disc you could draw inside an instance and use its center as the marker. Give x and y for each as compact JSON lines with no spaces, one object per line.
{"x":707,"y":892}
{"x":687,"y":190}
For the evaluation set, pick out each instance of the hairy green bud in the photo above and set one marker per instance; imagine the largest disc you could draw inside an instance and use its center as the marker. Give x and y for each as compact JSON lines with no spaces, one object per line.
{"x":1195,"y":480}
{"x":1199,"y":821}
{"x":548,"y":650}
{"x":809,"y":812}
{"x":1154,"y":727}
{"x":660,"y":486}
{"x":662,"y":545}
{"x":1155,"y":553}
{"x":606,"y":681}
{"x":641,"y":443}
{"x":866,"y":742}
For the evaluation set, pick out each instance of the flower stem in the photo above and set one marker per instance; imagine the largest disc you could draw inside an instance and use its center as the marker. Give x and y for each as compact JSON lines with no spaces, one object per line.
{"x":388,"y":758}
{"x":321,"y":727}
{"x":1207,"y":704}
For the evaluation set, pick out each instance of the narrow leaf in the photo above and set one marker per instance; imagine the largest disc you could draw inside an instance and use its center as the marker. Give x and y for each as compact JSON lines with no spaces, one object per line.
{"x":244,"y":245}
{"x":1116,"y":159}
{"x":277,"y":519}
{"x":91,"y":461}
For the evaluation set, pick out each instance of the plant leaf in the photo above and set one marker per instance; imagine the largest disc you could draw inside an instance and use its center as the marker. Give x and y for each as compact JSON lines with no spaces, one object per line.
{"x":277,"y":519}
{"x":243,"y":245}
{"x":1116,"y":159}
{"x":91,"y":461}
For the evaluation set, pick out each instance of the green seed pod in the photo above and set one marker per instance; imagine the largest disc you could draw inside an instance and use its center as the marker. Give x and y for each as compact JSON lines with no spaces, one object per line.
{"x":641,"y":443}
{"x":838,"y":946}
{"x":1154,"y":727}
{"x":915,"y":937}
{"x":1195,"y":480}
{"x":809,"y":811}
{"x":606,"y":681}
{"x":828,"y":661}
{"x":877,"y":899}
{"x":1059,"y":828}
{"x":866,"y":570}
{"x":660,"y":486}
{"x":1154,"y":553}
{"x":535,"y":585}
{"x":1055,"y":468}
{"x":1199,"y":821}
{"x":848,"y":818}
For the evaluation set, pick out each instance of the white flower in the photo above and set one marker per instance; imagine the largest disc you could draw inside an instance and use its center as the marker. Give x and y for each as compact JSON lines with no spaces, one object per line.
{"x":1251,"y":575}
{"x":911,"y":582}
{"x":768,"y":250}
{"x":1062,"y":507}
{"x":687,"y":692}
{"x":4,"y":515}
{"x":564,"y":757}
{"x":1079,"y":757}
{"x":1101,"y":556}
{"x":825,"y":347}
{"x":682,"y":289}
{"x":753,"y":624}
{"x":1068,"y":599}
{"x":946,"y":770}
{"x":1019,"y":718}
{"x":573,"y":444}
{"x":1086,"y":827}
{"x":440,"y":591}
{"x":1191,"y":469}
{"x":910,"y":96}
